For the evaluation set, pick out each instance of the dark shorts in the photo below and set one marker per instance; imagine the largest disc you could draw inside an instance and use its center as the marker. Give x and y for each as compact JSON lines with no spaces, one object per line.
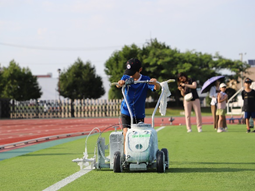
{"x":248,"y":115}
{"x":126,"y":121}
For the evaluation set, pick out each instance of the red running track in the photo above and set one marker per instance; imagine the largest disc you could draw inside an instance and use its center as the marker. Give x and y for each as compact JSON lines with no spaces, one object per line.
{"x":12,"y":131}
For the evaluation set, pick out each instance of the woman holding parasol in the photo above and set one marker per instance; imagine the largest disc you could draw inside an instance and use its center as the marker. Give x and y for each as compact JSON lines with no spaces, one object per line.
{"x":212,"y":85}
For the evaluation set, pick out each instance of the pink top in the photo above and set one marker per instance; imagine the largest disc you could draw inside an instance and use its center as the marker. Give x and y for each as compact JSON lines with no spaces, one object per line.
{"x":222,"y":105}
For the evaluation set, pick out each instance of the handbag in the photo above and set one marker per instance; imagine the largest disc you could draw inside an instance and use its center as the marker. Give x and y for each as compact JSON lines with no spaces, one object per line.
{"x":188,"y":96}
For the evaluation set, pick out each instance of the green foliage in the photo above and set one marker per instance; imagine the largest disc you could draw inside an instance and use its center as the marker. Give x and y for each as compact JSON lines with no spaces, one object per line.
{"x":116,"y":64}
{"x":80,"y":81}
{"x":235,"y":66}
{"x":1,"y":82}
{"x":208,"y":100}
{"x":18,"y":83}
{"x":115,"y":93}
{"x":162,"y":62}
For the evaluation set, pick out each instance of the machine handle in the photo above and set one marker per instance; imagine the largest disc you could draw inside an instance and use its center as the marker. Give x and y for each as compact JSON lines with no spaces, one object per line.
{"x":145,"y":81}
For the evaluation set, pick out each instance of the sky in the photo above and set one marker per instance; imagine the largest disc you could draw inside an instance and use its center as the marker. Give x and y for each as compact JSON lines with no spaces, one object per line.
{"x":46,"y":35}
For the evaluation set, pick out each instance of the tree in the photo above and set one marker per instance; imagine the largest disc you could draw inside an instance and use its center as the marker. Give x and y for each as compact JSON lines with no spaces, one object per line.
{"x":237,"y":67}
{"x":19,"y":83}
{"x":80,"y":81}
{"x":1,"y":81}
{"x":162,"y":62}
{"x":116,"y":65}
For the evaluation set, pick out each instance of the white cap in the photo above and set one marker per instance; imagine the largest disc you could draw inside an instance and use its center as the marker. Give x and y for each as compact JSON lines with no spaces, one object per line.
{"x":223,"y":85}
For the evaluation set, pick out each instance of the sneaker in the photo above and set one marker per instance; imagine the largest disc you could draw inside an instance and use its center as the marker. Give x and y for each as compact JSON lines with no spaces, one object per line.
{"x":226,"y":128}
{"x":189,"y":130}
{"x":248,"y":131}
{"x":199,"y":130}
{"x":220,"y":130}
{"x":253,"y":131}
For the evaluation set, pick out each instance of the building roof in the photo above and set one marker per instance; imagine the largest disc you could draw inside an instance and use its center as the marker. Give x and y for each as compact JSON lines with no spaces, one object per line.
{"x":44,"y":76}
{"x":251,"y":63}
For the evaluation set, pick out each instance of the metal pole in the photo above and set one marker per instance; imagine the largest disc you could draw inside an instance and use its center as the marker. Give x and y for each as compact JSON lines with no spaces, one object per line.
{"x":241,"y":54}
{"x":59,"y":70}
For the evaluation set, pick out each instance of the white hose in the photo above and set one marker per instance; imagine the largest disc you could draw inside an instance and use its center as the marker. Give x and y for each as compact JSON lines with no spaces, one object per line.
{"x":85,"y":152}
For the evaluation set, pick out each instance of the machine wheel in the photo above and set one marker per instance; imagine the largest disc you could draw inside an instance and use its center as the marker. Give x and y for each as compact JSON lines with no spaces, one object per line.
{"x":165,"y":151}
{"x":117,"y":162}
{"x":157,"y":154}
{"x":160,"y":161}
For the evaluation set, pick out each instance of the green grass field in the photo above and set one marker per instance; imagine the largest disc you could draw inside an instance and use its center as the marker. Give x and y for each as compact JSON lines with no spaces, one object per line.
{"x":198,"y":161}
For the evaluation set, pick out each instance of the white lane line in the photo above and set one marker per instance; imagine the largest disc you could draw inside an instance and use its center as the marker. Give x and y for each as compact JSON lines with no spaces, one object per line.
{"x":74,"y":176}
{"x":160,"y":128}
{"x":68,"y":179}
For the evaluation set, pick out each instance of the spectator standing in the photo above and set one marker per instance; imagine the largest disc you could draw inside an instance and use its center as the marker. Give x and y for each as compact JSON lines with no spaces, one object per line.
{"x":221,"y":106}
{"x":188,"y":86}
{"x":248,"y":96}
{"x":213,"y":95}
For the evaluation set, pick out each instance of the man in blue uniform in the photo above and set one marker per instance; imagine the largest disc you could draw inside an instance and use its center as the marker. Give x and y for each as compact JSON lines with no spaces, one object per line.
{"x":135,"y":94}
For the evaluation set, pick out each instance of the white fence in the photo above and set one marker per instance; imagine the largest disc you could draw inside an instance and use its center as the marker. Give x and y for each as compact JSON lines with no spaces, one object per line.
{"x":63,"y":108}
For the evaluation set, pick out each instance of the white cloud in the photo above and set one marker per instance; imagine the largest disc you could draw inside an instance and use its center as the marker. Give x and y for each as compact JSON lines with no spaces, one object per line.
{"x":186,"y":24}
{"x":2,"y":24}
{"x":41,"y":31}
{"x":5,"y":3}
{"x":89,"y":6}
{"x":92,"y":6}
{"x":8,"y":26}
{"x":111,"y":15}
{"x":14,"y":3}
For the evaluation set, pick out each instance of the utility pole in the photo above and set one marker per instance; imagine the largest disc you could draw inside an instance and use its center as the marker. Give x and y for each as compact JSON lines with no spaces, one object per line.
{"x":59,"y":70}
{"x":241,"y":54}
